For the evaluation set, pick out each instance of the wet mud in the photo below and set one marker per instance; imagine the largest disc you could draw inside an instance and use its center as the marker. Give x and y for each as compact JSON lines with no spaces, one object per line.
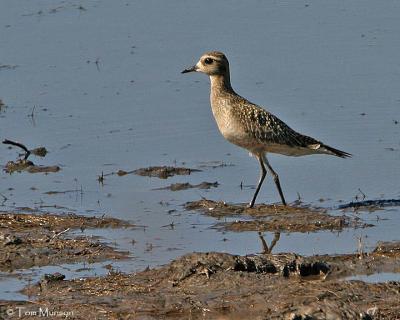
{"x":223,"y":286}
{"x":291,"y":218}
{"x":164,"y":172}
{"x":184,"y":186}
{"x":28,"y":240}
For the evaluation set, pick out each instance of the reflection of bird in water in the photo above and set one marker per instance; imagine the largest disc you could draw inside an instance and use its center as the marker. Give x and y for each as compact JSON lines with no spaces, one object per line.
{"x":266,"y":249}
{"x":251,"y":127}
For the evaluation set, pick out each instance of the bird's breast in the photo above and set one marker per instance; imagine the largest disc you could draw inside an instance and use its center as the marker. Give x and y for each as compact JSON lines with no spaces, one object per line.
{"x":230,"y":128}
{"x":222,"y":115}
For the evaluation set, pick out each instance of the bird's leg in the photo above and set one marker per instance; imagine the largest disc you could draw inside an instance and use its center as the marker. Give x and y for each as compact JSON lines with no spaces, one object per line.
{"x":262,"y":177}
{"x":276,"y":180}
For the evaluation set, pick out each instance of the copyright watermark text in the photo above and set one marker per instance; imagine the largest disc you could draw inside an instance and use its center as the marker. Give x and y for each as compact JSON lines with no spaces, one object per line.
{"x":39,"y":312}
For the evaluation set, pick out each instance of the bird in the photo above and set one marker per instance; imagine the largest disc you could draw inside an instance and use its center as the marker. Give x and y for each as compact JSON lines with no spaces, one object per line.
{"x":250,"y":126}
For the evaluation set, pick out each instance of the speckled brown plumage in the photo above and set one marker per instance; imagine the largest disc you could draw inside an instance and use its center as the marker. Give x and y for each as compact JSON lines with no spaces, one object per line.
{"x":260,"y":131}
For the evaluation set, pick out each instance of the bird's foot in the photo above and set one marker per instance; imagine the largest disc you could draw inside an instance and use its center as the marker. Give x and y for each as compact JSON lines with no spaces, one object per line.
{"x":250,"y":205}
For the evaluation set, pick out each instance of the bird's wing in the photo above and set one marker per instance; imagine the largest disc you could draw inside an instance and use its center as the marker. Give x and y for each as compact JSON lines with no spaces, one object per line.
{"x":267,"y":128}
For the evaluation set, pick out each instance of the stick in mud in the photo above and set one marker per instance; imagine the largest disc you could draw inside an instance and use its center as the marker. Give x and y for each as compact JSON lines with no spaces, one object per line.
{"x":20,"y":145}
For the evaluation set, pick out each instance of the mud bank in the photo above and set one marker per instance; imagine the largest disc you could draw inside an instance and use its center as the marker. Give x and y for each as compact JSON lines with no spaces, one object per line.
{"x":28,"y":240}
{"x":223,"y":286}
{"x":291,"y":218}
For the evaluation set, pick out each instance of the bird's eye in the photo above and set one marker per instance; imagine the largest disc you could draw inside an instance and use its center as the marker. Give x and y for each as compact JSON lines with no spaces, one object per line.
{"x":208,"y":61}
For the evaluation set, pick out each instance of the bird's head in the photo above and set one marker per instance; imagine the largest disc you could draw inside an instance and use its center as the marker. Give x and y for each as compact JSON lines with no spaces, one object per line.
{"x":211,"y":63}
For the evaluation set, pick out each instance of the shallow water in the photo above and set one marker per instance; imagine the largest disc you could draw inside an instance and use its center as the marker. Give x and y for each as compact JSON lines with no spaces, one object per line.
{"x":100,"y":87}
{"x":377,"y":277}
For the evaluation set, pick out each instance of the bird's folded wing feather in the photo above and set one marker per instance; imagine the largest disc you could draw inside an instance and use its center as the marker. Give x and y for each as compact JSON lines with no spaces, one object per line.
{"x":267,"y":128}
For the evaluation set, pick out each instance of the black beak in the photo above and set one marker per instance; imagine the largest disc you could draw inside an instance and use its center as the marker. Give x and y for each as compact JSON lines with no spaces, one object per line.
{"x":191,"y":69}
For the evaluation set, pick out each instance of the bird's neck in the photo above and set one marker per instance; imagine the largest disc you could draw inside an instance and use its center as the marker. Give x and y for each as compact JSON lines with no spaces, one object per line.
{"x":221,"y":83}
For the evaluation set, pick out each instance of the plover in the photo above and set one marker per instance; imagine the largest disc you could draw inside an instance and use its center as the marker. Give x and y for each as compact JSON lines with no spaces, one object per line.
{"x":249,"y":126}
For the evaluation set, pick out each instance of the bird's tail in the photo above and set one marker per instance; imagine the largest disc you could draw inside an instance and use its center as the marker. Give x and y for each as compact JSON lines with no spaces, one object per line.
{"x":336,"y":152}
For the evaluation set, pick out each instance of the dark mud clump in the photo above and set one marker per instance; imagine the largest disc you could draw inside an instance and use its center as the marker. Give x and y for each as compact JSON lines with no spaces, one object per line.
{"x":39,"y":151}
{"x":370,"y":205}
{"x":164,"y":172}
{"x":2,"y":105}
{"x":7,"y":67}
{"x":184,"y":186}
{"x":273,"y":217}
{"x":28,"y":240}
{"x":223,"y":286}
